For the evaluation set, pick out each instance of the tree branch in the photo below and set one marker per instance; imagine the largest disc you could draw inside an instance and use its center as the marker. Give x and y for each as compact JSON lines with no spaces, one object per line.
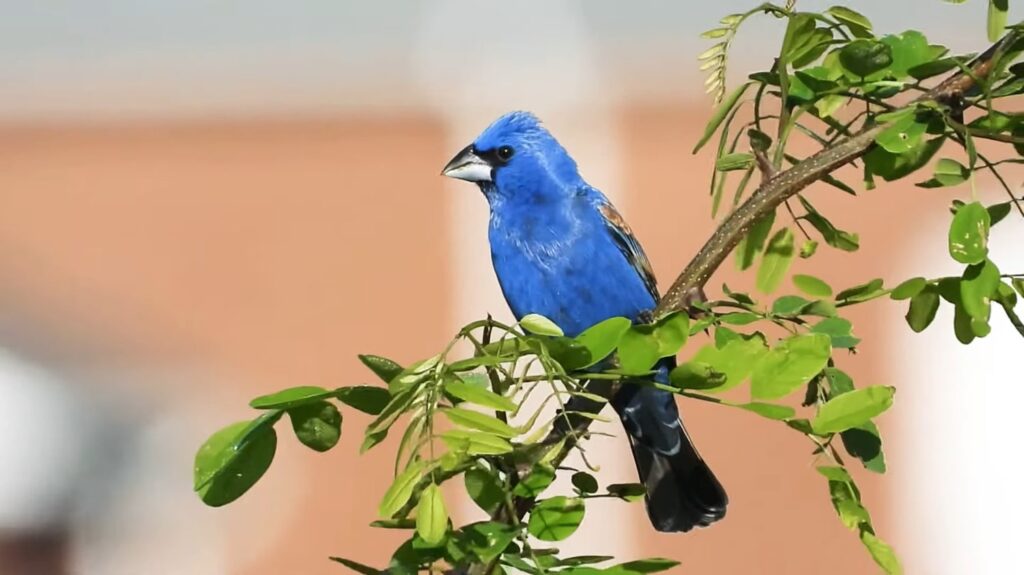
{"x":776,"y":189}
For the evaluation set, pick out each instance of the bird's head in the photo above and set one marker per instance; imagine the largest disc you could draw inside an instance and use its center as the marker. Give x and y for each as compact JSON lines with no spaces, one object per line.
{"x":516,"y":158}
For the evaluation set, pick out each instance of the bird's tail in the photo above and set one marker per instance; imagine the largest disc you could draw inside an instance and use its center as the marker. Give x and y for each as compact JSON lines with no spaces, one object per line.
{"x":682,"y":492}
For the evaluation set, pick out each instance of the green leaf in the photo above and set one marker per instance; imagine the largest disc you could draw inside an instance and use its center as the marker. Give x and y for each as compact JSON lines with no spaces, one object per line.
{"x":1005,"y":295}
{"x":719,"y":115}
{"x":933,"y":68}
{"x":865,"y":443}
{"x":909,"y":49}
{"x":585,"y":482}
{"x":479,"y":395}
{"x":479,"y":421}
{"x":808,"y":248}
{"x":908,"y":288}
{"x":736,"y":360}
{"x":566,"y":351}
{"x":476,"y":442}
{"x":472,"y":363}
{"x":948,"y":172}
{"x":357,"y":567}
{"x":601,"y":339}
{"x":769,"y":410}
{"x":997,"y":10}
{"x":638,"y":350}
{"x":790,"y":365}
{"x":777,"y":257}
{"x":864,"y":57}
{"x":400,"y":491}
{"x":852,"y":409}
{"x":752,"y":243}
{"x":627,"y":491}
{"x":902,"y":135}
{"x":803,"y":42}
{"x":715,"y":33}
{"x":882,"y":553}
{"x":392,"y":411}
{"x":540,"y":325}
{"x":385,"y":369}
{"x":1018,"y":284}
{"x":923,"y":307}
{"x":834,"y":473}
{"x":556,"y":518}
{"x":394,"y":523}
{"x":671,"y":333}
{"x":484,"y":488}
{"x":488,"y":539}
{"x":812,"y":286}
{"x":366,"y":398}
{"x":996,"y":212}
{"x":740,"y":318}
{"x":968,"y":234}
{"x":838,"y":381}
{"x":415,"y":372}
{"x":233,"y":459}
{"x":290,"y":397}
{"x":995,"y":122}
{"x":801,"y":425}
{"x":583,"y":560}
{"x":854,"y":21}
{"x":862,"y":292}
{"x":317,"y":425}
{"x":834,"y":237}
{"x":431,"y":515}
{"x":839,"y":330}
{"x":962,"y":325}
{"x":977,"y":289}
{"x":696,"y":375}
{"x":759,"y":140}
{"x":789,"y":305}
{"x":891,"y":167}
{"x":371,"y":440}
{"x":724,"y":335}
{"x":539,"y":478}
{"x":652,"y":565}
{"x":738,"y":297}
{"x":733,"y":162}
{"x":413,"y":554}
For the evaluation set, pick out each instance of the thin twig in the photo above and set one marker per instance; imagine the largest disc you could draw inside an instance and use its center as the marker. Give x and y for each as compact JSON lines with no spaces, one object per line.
{"x":796,"y":220}
{"x":765,"y":165}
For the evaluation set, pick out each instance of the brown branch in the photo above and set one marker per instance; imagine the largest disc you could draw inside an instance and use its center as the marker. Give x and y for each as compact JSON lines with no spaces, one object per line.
{"x":788,"y":183}
{"x":689,"y":286}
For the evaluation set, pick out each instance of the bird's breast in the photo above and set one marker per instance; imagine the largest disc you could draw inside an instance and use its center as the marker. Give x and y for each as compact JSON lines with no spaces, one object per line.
{"x":574,"y":279}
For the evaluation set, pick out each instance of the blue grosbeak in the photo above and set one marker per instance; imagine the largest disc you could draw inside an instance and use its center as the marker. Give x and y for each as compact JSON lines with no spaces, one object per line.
{"x":561,"y":250}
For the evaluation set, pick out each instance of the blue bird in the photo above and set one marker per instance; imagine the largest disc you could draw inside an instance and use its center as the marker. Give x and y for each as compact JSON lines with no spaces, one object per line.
{"x":561,"y":250}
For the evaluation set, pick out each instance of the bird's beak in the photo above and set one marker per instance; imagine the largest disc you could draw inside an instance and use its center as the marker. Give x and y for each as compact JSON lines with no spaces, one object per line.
{"x":466,"y":165}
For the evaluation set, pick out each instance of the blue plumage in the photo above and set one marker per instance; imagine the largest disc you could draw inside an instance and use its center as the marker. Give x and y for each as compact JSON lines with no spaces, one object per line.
{"x":560,"y":249}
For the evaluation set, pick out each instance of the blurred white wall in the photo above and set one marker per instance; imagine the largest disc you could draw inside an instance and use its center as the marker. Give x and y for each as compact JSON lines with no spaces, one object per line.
{"x":958,"y":420}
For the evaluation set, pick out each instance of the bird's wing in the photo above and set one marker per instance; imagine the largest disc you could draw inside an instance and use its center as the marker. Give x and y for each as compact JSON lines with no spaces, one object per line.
{"x":628,"y":245}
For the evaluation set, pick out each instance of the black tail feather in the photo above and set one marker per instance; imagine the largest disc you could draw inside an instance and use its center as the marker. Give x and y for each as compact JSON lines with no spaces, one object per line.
{"x":682,"y":492}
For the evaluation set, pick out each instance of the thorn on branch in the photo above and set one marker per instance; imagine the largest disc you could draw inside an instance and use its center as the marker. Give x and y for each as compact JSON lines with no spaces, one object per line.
{"x":768,"y":171}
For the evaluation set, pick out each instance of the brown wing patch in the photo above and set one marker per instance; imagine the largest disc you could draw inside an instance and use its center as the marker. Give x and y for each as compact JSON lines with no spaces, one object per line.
{"x":630,"y":247}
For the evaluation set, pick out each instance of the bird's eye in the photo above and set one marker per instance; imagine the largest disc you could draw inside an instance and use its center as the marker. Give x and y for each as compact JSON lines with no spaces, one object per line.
{"x":505,"y":152}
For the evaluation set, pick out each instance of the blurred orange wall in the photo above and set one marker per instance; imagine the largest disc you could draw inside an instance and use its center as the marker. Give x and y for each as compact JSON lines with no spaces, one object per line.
{"x":274,"y":251}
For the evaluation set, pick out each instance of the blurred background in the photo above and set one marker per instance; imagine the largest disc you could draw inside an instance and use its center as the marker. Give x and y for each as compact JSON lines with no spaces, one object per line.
{"x":204,"y":201}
